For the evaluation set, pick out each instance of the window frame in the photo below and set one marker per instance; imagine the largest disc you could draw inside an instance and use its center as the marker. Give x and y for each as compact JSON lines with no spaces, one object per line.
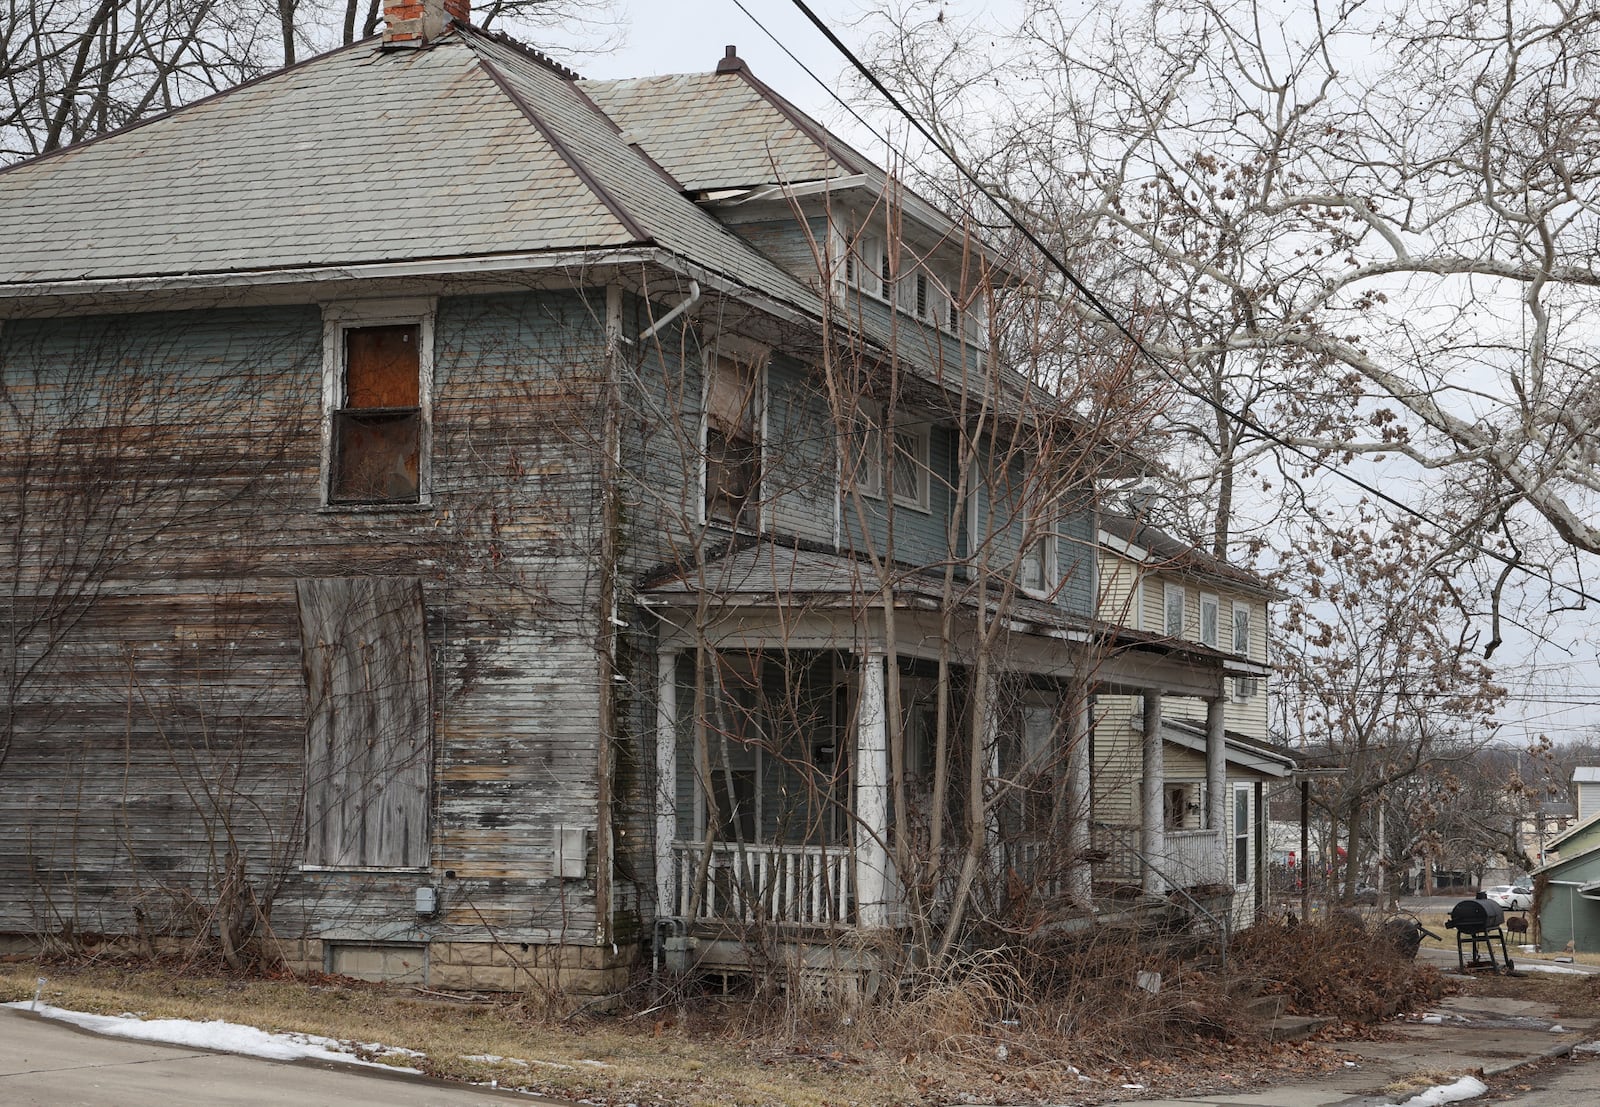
{"x":873,"y":478}
{"x":1168,"y":591}
{"x":337,"y":320}
{"x":1245,"y":689}
{"x":1241,"y":839}
{"x":1214,"y":603}
{"x":758,"y":356}
{"x":1043,"y":525}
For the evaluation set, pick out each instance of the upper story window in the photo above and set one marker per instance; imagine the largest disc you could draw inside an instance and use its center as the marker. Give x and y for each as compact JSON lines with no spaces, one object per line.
{"x":1244,"y":688}
{"x":1038,"y":567}
{"x":915,"y":286}
{"x":1175,"y":601}
{"x":734,"y":399}
{"x":1210,"y":621}
{"x":378,"y":366}
{"x":908,"y":463}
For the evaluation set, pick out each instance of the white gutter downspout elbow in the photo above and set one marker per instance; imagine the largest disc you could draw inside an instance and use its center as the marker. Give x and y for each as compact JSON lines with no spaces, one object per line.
{"x":683,"y":306}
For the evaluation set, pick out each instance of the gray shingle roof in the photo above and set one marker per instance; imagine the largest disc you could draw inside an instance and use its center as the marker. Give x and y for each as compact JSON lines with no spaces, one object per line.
{"x":723,"y":130}
{"x":358,"y":155}
{"x":472,"y":148}
{"x":1179,"y":555}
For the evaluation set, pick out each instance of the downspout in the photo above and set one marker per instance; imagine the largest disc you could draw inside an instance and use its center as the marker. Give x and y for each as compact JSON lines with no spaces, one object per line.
{"x":683,"y":305}
{"x":607,"y":617}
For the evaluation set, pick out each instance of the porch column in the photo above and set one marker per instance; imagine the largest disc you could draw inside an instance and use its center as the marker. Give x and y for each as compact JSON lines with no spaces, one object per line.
{"x":1080,"y":876}
{"x":872,"y":797}
{"x":1152,"y":833}
{"x":1217,"y":781}
{"x":666,"y":780}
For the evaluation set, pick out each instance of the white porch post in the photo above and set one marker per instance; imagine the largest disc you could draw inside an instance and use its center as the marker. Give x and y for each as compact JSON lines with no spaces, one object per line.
{"x":1152,"y":834}
{"x":666,"y":780}
{"x":1080,"y":876}
{"x":1217,"y":780}
{"x":872,"y":797}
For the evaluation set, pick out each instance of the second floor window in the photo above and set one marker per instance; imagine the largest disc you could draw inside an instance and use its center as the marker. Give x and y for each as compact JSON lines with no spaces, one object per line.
{"x":1241,"y":630}
{"x":1175,"y":601}
{"x":733,"y":441}
{"x":1210,"y":621}
{"x":377,"y":419}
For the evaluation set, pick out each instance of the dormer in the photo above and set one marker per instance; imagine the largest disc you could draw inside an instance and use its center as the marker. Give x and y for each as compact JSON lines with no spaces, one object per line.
{"x":807,"y":199}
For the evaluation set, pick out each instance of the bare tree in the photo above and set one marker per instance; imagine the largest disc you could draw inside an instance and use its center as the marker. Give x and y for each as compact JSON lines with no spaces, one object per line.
{"x":1366,"y":227}
{"x":1381,"y":673}
{"x":73,"y":69}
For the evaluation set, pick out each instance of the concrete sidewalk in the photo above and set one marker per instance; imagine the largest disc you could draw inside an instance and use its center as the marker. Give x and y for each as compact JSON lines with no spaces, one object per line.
{"x":1457,"y":1036}
{"x":44,"y":1063}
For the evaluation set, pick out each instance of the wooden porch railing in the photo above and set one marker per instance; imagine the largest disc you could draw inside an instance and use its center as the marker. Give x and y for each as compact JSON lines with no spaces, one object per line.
{"x":1190,"y":857}
{"x":747,"y":883}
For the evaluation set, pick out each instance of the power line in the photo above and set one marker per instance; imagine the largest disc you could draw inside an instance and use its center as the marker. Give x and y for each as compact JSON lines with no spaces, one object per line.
{"x":1098,"y":305}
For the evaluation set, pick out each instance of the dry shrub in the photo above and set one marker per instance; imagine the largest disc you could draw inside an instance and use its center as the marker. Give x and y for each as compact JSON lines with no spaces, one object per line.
{"x":1341,"y":967}
{"x":1042,"y":998}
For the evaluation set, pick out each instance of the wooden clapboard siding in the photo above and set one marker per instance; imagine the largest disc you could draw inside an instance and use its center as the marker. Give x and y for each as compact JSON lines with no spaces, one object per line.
{"x":185,"y":668}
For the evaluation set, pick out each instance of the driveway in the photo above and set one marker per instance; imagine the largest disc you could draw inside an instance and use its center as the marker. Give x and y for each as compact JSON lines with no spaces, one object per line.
{"x":51,"y":1064}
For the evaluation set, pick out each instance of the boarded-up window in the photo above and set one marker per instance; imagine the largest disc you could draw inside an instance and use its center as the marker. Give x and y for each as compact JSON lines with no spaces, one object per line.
{"x":368,"y":740}
{"x":377,"y":426}
{"x":733,"y":445}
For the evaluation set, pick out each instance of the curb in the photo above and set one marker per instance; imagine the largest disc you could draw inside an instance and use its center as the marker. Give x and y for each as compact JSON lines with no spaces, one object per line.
{"x":1560,"y":1049}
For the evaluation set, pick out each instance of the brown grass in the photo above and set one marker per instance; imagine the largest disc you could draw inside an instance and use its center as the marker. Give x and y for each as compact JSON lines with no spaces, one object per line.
{"x":1061,"y":1021}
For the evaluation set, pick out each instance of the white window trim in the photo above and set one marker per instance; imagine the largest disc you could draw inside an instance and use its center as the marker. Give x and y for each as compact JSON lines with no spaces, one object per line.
{"x":1167,"y":592}
{"x":1210,"y":599}
{"x":873,"y":478}
{"x":868,"y":249}
{"x":1241,"y":802}
{"x":761,"y":357}
{"x":1045,"y":540}
{"x":337,"y":318}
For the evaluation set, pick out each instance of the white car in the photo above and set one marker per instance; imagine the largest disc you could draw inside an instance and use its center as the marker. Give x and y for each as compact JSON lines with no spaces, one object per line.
{"x":1513,"y":897}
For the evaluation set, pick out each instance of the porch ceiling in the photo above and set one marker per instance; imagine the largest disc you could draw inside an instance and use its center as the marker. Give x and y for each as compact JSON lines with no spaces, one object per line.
{"x":760,"y":594}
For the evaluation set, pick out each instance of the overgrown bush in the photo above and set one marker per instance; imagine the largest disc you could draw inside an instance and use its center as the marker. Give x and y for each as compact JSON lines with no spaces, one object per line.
{"x":1342,"y":967}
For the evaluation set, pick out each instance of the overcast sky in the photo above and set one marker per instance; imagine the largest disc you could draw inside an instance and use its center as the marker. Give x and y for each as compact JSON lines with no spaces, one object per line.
{"x":1553,"y":683}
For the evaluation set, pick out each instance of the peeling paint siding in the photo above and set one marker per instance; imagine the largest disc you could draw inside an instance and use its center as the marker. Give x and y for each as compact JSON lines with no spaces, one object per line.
{"x":189,"y":652}
{"x":920,"y":537}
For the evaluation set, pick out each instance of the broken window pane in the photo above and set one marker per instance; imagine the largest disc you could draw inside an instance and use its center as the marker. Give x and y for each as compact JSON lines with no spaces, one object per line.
{"x":733,"y":448}
{"x":377,"y":428}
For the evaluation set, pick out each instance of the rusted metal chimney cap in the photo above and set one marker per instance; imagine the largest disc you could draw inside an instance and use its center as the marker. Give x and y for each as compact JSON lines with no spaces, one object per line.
{"x":731,"y":61}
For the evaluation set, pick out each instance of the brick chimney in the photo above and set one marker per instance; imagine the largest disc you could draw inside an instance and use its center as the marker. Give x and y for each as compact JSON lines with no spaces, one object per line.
{"x":419,"y":22}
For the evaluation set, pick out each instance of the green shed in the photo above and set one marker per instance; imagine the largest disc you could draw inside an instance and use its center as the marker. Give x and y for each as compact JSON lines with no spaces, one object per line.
{"x":1567,"y":894}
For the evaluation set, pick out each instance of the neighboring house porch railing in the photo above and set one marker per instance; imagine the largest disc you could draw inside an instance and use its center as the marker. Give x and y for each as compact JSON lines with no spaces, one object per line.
{"x":761,"y":882}
{"x":1190,"y":857}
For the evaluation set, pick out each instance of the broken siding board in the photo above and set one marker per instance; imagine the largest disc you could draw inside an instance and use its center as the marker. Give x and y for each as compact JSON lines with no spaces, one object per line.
{"x":505,"y":557}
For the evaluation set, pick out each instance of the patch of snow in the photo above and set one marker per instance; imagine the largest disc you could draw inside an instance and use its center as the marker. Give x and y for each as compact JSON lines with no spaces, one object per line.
{"x":1558,"y":1029}
{"x":1468,"y":1087}
{"x":1587,"y":1047}
{"x":494,"y":1059}
{"x":1134,"y":1087}
{"x":224,"y":1037}
{"x":1434,"y":1019}
{"x":1541,"y":966}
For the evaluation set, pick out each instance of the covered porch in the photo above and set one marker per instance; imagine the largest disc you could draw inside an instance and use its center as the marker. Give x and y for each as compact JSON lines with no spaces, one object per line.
{"x":826,"y":754}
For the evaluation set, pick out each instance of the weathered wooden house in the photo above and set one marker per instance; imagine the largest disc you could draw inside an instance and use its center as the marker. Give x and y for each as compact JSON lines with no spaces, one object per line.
{"x":1202,"y":787}
{"x":466,"y":523}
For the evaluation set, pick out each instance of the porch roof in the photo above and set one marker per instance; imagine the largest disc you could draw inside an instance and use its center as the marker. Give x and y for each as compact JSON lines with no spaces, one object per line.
{"x":787,"y":575}
{"x":1241,"y":750}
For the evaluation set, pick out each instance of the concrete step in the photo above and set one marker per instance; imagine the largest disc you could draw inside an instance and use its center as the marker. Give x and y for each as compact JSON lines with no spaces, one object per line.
{"x":1296,"y":1028}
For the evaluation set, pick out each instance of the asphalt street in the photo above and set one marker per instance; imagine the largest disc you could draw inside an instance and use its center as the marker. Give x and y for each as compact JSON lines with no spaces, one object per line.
{"x":52,"y":1064}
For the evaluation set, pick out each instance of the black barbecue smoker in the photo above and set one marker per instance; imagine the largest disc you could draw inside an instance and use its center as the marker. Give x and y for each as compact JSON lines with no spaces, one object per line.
{"x":1478,"y":923}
